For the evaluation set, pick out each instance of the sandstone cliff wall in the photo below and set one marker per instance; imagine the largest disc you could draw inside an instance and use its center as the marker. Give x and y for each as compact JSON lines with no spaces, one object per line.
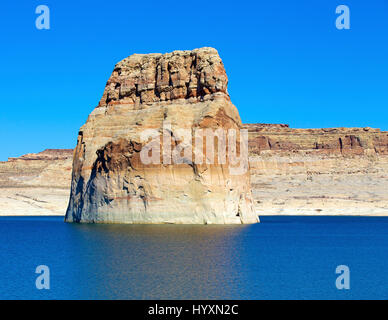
{"x":335,"y":171}
{"x":330,"y":141}
{"x":36,"y":183}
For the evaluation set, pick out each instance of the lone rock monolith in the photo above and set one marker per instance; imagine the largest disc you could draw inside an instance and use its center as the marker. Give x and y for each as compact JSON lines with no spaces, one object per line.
{"x":164,"y":145}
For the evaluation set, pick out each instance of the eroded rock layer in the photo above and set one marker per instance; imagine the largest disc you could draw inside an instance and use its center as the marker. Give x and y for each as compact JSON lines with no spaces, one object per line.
{"x":330,"y":141}
{"x":36,"y":183}
{"x":166,"y":93}
{"x":334,"y":171}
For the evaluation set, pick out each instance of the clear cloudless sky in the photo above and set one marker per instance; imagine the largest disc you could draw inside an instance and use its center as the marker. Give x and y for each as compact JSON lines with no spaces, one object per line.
{"x":286,"y":61}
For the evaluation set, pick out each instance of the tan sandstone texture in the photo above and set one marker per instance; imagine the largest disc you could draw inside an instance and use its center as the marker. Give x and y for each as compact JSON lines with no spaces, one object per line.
{"x":334,"y":171}
{"x":36,"y":184}
{"x":166,"y":93}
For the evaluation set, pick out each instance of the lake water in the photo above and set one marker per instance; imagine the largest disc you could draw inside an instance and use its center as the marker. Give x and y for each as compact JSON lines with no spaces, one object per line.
{"x":280,"y":258}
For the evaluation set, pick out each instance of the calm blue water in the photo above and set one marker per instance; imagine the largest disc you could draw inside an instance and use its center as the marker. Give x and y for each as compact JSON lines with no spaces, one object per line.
{"x":280,"y":258}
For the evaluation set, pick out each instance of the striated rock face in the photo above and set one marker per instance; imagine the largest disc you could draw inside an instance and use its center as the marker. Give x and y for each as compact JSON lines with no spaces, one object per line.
{"x":36,"y":183}
{"x":48,"y":154}
{"x":144,"y":79}
{"x":336,"y":171}
{"x":329,"y":141}
{"x":138,"y":159}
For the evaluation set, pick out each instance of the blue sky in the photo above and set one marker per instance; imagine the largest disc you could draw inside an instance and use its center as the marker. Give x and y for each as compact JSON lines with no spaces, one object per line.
{"x":286,"y":61}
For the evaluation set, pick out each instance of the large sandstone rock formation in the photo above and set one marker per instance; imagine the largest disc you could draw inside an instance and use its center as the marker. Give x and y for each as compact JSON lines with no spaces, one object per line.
{"x":163,"y":94}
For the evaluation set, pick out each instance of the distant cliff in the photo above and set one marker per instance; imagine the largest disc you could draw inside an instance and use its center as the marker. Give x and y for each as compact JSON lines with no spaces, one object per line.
{"x":333,"y":171}
{"x":335,"y":141}
{"x":36,"y":183}
{"x":48,"y":154}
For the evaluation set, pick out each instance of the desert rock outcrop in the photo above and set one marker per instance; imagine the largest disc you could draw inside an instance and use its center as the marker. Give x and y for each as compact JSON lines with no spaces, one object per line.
{"x":159,"y":102}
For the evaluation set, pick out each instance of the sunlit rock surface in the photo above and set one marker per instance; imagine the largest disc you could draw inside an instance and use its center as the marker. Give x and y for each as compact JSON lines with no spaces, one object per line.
{"x":166,"y":93}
